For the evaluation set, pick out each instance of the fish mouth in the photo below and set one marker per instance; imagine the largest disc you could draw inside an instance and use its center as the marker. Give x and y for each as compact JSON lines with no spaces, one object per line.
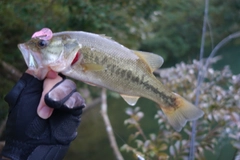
{"x":32,"y":59}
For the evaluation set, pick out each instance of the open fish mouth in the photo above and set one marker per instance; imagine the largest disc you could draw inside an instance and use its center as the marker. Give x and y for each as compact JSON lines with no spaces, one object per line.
{"x":32,"y":59}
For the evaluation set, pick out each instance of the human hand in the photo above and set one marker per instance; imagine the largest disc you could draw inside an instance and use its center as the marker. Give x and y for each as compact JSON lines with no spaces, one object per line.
{"x":30,"y":137}
{"x":51,"y":79}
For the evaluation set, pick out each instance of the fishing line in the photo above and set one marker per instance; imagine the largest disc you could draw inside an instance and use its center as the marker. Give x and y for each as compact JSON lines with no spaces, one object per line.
{"x":138,"y":156}
{"x":119,"y":137}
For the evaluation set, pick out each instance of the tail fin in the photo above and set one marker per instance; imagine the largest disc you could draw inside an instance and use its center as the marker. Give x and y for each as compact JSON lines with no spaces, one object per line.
{"x":184,"y":112}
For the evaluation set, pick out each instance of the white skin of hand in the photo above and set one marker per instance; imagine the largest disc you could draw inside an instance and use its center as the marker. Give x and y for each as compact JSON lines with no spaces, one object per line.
{"x":52,"y":78}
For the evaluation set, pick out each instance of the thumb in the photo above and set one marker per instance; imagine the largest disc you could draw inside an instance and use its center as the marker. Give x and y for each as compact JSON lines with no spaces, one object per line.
{"x":43,"y":110}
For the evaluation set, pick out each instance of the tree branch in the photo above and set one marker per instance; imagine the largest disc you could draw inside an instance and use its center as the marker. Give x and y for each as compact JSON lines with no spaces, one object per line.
{"x":221,"y":44}
{"x":204,"y":68}
{"x":108,"y":126}
{"x":193,"y":135}
{"x":2,"y":126}
{"x":11,"y":69}
{"x":93,"y":103}
{"x":16,"y":74}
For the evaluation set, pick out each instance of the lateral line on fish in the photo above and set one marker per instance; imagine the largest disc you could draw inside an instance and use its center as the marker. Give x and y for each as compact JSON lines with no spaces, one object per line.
{"x":141,"y":81}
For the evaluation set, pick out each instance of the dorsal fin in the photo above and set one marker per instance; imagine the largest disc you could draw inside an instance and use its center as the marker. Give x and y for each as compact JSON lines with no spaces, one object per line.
{"x":154,"y":61}
{"x":131,"y":100}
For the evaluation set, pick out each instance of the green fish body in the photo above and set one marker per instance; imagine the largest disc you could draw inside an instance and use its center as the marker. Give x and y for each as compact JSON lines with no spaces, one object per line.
{"x":100,"y":61}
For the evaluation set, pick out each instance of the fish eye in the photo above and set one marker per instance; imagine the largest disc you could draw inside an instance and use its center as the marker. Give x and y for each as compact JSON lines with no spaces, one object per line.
{"x":42,"y":43}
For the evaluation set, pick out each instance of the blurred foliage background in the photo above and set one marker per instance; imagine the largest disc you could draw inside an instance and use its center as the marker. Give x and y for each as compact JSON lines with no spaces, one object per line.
{"x":170,"y":28}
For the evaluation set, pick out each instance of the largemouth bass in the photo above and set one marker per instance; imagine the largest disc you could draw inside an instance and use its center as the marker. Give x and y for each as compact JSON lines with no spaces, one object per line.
{"x":98,"y":60}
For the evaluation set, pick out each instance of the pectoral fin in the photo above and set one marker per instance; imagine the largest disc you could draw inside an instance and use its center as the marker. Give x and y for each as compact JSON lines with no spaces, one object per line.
{"x":131,"y":100}
{"x":92,"y":67}
{"x":154,"y":61}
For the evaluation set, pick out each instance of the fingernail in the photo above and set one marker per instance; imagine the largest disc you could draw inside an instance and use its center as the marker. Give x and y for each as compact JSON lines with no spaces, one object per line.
{"x":45,"y":112}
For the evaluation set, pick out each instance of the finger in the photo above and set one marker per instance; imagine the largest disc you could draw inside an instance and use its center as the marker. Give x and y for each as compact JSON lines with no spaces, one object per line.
{"x":64,"y":96}
{"x":43,"y":110}
{"x":75,"y":101}
{"x":51,"y":74}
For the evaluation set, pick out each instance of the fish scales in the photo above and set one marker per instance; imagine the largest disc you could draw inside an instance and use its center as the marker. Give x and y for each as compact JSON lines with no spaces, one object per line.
{"x":120,"y":69}
{"x":101,"y":61}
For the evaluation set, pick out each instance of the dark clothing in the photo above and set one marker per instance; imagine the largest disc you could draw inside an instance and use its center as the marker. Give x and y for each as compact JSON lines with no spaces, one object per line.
{"x":29,"y":137}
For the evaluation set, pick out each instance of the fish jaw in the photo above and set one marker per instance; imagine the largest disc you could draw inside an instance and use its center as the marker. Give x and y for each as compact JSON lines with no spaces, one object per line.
{"x":31,"y":59}
{"x":33,"y":62}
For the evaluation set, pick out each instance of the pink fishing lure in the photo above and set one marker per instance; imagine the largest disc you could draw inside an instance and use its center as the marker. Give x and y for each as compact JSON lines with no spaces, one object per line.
{"x":44,"y":34}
